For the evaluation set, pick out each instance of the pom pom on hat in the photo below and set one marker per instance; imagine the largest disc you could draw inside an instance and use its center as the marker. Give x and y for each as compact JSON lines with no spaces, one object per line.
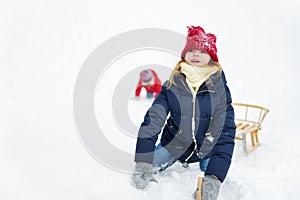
{"x":197,"y":39}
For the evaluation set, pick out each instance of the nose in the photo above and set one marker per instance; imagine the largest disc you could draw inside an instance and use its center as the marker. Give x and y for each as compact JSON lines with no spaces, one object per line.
{"x":196,"y":53}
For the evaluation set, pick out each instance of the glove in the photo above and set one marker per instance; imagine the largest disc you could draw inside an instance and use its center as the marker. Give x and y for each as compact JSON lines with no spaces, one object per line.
{"x":142,"y":175}
{"x":210,"y":188}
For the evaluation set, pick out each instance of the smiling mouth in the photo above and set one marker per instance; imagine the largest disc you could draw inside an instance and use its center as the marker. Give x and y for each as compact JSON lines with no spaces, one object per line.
{"x":195,"y":61}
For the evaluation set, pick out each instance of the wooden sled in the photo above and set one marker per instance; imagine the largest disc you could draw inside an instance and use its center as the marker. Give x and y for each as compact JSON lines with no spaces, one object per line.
{"x":248,"y":120}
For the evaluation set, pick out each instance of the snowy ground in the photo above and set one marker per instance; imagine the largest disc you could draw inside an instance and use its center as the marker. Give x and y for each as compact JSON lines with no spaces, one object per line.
{"x":45,"y":43}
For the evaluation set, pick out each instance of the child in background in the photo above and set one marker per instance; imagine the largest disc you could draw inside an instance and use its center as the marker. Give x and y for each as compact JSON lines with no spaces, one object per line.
{"x":150,"y":81}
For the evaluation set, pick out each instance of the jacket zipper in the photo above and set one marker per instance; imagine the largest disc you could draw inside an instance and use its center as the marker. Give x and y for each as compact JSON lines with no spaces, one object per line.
{"x":193,"y":118}
{"x":193,"y":128}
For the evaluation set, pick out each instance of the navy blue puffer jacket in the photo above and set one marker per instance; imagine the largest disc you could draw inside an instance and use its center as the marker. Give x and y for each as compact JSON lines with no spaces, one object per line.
{"x":192,"y":127}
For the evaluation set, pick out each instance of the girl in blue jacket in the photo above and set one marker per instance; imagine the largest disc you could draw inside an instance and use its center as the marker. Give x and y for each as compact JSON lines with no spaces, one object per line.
{"x":193,"y":113}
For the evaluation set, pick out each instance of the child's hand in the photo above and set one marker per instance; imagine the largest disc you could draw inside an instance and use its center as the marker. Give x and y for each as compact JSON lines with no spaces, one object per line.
{"x":142,"y":176}
{"x":210,"y":188}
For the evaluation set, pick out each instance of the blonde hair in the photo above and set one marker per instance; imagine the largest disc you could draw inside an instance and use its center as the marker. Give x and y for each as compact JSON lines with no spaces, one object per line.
{"x":176,"y":69}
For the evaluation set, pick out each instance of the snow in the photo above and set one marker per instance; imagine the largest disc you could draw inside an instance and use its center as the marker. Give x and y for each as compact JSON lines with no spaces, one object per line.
{"x":43,"y":47}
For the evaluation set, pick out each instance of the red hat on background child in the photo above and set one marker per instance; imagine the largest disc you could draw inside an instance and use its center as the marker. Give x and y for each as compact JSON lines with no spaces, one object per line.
{"x":146,"y":75}
{"x":197,"y":39}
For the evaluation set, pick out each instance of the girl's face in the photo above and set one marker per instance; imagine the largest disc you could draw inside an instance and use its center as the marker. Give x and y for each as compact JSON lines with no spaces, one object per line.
{"x":197,"y":58}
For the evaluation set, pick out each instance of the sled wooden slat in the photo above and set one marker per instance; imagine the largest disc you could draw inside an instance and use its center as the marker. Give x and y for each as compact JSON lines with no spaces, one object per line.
{"x":242,"y":127}
{"x":247,"y":127}
{"x":238,"y":125}
{"x":245,"y":130}
{"x":199,"y":189}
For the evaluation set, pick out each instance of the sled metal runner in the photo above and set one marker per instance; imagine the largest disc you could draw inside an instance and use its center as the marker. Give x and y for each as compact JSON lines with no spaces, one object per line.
{"x":248,"y":126}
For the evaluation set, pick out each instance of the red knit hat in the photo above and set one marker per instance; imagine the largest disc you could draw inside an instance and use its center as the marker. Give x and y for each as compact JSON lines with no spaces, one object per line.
{"x":197,"y":39}
{"x":146,"y":75}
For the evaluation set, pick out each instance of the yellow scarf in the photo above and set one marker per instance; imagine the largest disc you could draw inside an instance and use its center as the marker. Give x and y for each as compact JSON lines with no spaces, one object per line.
{"x":195,"y":76}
